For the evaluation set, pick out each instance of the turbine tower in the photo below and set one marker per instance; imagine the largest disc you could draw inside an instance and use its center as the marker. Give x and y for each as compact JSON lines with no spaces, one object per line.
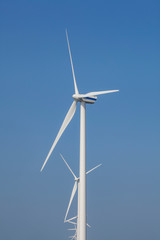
{"x":89,"y":98}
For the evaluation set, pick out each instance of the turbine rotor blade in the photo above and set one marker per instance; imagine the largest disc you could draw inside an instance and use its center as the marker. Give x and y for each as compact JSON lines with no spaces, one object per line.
{"x":68,"y":167}
{"x":98,"y":93}
{"x":71,"y":199}
{"x":88,"y":225}
{"x":93,"y":168}
{"x":75,"y":84}
{"x":72,"y":218}
{"x":74,"y":223}
{"x":72,"y":237}
{"x":65,"y":123}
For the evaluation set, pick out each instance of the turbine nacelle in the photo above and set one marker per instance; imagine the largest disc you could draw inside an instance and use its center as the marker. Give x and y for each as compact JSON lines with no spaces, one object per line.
{"x":84,"y":98}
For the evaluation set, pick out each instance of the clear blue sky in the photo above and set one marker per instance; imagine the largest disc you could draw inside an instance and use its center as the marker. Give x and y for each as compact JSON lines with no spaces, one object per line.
{"x":115,"y":45}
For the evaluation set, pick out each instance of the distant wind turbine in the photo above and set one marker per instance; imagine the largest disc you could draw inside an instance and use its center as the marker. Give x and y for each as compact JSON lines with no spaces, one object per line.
{"x":75,"y":186}
{"x":90,"y":98}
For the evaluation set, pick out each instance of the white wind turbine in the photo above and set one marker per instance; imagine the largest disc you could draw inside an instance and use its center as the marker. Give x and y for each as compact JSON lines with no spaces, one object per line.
{"x":75,"y":186}
{"x":90,"y":98}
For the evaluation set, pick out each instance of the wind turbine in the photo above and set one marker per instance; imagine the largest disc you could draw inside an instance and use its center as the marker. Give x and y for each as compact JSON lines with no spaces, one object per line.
{"x":89,"y":98}
{"x":75,"y":186}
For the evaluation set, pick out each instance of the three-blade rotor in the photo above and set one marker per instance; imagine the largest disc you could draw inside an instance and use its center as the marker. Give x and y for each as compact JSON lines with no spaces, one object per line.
{"x":88,"y":98}
{"x":75,"y":186}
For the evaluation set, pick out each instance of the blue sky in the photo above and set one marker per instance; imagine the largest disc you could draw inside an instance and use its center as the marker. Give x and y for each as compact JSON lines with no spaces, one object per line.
{"x":115,"y":45}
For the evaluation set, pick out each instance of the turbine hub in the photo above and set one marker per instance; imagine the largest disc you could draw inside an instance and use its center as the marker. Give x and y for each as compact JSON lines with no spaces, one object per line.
{"x":76,"y":97}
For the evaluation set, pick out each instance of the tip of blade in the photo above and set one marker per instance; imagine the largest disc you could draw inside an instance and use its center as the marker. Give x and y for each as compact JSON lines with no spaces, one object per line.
{"x":66,"y":33}
{"x":42,"y":168}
